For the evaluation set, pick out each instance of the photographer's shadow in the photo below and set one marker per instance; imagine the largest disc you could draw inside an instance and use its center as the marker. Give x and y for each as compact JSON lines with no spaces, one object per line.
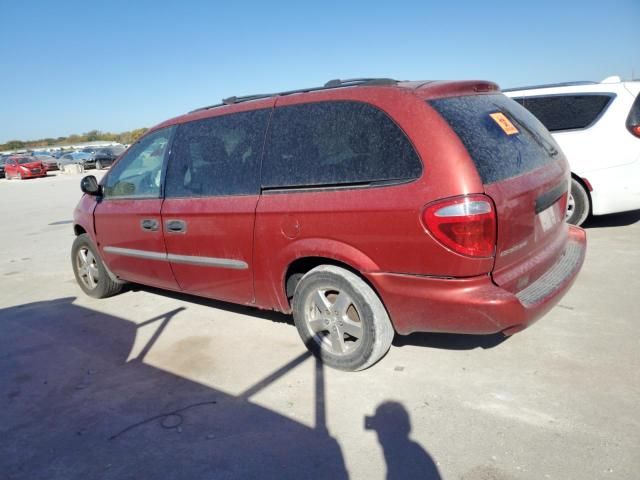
{"x":404,"y":457}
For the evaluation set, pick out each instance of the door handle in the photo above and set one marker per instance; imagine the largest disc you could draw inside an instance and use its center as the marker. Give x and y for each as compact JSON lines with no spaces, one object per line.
{"x":149,"y":224}
{"x":176,"y":226}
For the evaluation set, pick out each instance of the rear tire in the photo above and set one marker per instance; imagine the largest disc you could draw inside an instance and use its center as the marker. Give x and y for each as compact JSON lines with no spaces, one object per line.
{"x":90,"y":272}
{"x":578,"y":204}
{"x":341,"y":319}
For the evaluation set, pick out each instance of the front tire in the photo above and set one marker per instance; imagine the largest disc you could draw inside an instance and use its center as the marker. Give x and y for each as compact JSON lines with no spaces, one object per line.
{"x":98,"y":165}
{"x":341,"y":319}
{"x":578,"y":204}
{"x":90,"y":272}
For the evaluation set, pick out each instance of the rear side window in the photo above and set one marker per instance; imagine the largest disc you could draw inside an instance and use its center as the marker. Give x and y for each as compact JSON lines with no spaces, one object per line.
{"x":336,"y":143}
{"x":217,"y":156}
{"x":566,"y":112}
{"x":503,"y":139}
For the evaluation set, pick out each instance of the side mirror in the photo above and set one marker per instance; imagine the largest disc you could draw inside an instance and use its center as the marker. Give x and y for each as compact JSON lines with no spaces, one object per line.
{"x":89,"y":185}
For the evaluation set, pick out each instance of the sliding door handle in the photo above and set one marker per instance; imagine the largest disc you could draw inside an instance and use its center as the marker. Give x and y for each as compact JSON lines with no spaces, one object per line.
{"x":176,"y":226}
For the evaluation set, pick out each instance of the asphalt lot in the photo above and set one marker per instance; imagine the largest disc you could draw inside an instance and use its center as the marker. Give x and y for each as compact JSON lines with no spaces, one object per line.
{"x":149,"y":384}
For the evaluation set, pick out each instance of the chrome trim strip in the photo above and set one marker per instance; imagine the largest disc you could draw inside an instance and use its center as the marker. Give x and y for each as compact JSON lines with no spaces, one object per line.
{"x":188,"y":259}
{"x":130,"y":252}
{"x":208,"y":261}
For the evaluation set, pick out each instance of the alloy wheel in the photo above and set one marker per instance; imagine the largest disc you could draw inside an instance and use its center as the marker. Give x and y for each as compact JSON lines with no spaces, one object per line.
{"x":571,"y":205}
{"x":87,"y":268}
{"x":333,"y":320}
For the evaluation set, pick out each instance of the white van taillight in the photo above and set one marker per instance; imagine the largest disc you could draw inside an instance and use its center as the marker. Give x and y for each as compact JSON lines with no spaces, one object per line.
{"x":465,"y":224}
{"x":633,"y":120}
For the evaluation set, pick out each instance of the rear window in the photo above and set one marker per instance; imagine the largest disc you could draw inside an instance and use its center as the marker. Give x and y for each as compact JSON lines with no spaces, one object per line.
{"x":566,"y":112}
{"x":503,"y":139}
{"x":336,"y":143}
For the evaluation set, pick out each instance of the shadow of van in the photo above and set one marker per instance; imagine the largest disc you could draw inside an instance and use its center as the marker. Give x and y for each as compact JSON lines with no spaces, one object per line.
{"x":75,"y":408}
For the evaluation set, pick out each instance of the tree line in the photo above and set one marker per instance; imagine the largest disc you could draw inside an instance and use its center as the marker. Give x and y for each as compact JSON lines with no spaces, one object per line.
{"x":91,"y":136}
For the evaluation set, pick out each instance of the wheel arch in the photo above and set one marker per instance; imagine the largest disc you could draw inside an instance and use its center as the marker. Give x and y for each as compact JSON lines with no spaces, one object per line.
{"x":297,"y":268}
{"x":587,"y":188}
{"x":78,"y":230}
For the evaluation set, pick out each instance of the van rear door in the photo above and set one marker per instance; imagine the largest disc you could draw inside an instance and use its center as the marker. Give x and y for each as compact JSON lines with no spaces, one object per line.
{"x":525,"y":174}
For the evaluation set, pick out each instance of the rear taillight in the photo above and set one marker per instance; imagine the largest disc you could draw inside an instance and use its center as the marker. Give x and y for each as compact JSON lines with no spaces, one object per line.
{"x":465,"y":224}
{"x":633,"y":120}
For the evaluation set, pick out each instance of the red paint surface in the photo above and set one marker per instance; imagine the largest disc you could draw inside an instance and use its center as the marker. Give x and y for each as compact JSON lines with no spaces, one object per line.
{"x":218,"y":227}
{"x":117,"y":224}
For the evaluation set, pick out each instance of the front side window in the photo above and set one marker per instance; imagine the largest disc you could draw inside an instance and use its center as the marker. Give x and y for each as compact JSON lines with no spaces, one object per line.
{"x":217,"y":156}
{"x":336,"y":143}
{"x":138,"y":174}
{"x":566,"y":112}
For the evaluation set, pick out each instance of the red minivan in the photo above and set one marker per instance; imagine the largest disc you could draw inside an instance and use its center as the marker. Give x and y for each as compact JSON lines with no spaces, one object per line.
{"x":365,"y":207}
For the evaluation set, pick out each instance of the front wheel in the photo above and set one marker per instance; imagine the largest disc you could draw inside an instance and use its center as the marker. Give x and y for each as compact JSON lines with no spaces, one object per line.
{"x":341,"y":319}
{"x":98,"y":165}
{"x":90,"y":272}
{"x":578,"y":204}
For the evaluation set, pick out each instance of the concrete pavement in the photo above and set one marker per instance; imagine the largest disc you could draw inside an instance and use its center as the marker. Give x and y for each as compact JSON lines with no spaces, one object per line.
{"x":150,"y":384}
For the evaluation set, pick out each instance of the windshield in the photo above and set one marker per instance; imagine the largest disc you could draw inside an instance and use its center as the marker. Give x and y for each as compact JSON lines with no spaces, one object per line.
{"x":24,"y":160}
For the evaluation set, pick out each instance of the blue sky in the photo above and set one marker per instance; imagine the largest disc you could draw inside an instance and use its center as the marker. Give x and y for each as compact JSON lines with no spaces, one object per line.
{"x":70,"y":67}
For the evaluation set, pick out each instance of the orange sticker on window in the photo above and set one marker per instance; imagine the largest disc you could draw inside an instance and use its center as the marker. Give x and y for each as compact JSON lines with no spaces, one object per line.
{"x":504,"y":123}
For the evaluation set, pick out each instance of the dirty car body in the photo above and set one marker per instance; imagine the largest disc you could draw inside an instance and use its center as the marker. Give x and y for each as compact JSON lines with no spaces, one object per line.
{"x":364,"y":207}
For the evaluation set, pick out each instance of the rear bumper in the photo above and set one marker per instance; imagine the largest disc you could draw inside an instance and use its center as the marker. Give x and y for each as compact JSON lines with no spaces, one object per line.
{"x":476,"y":305}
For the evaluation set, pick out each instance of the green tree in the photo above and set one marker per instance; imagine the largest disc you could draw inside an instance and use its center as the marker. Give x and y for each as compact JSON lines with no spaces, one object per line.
{"x":92,"y":135}
{"x":14,"y":145}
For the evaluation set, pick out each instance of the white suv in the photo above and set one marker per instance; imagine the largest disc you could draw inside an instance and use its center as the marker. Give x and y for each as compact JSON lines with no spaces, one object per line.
{"x":597,"y":125}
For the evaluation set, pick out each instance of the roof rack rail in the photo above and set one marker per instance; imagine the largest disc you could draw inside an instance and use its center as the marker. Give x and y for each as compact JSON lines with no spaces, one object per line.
{"x":359,"y":81}
{"x":550,"y":85}
{"x":336,"y":83}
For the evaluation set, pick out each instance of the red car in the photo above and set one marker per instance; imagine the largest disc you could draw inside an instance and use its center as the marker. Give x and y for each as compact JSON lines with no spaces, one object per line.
{"x":24,"y":167}
{"x":364,"y":207}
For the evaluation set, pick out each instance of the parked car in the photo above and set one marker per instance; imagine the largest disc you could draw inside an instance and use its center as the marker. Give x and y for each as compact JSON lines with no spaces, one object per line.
{"x":50,"y":161}
{"x":3,"y":160}
{"x":20,"y":167}
{"x":80,"y":158}
{"x":362,"y":207}
{"x":598,"y":127}
{"x":104,"y":157}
